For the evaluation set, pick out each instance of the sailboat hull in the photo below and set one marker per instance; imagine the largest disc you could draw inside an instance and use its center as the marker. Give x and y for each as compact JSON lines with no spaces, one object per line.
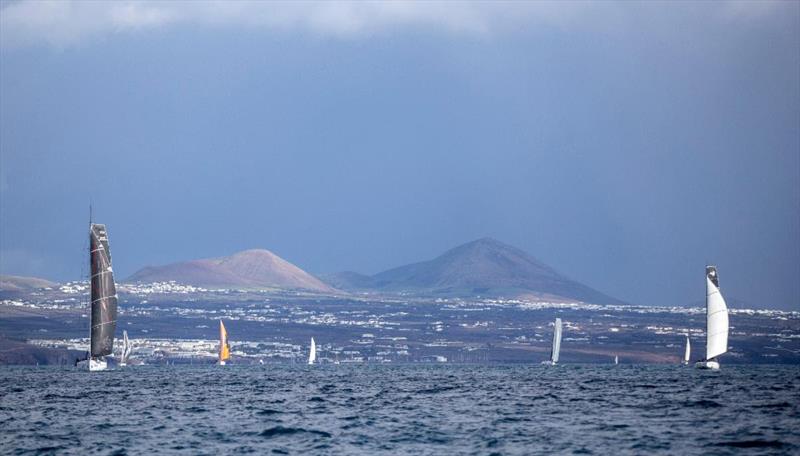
{"x":222,"y":363}
{"x":96,"y":364}
{"x":711,"y":365}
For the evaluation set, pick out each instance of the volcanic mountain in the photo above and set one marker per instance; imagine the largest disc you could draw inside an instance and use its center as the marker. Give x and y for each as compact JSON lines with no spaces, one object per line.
{"x":485,"y":267}
{"x":250,"y":269}
{"x":19,"y":283}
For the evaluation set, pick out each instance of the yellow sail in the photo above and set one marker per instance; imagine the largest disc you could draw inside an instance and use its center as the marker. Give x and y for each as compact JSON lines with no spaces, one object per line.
{"x":224,"y":347}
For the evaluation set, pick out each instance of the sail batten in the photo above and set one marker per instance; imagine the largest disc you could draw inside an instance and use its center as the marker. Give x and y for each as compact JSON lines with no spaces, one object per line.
{"x":103,"y":293}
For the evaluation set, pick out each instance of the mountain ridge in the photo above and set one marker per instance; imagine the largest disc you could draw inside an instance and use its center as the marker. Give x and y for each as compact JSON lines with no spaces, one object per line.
{"x":254,"y":268}
{"x":19,"y":283}
{"x":485,"y":267}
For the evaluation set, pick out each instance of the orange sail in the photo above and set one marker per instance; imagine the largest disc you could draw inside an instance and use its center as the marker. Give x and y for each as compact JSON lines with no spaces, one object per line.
{"x":224,"y":347}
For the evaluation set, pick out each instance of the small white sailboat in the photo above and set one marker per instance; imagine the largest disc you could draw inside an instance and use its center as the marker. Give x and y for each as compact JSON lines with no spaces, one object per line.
{"x":312,"y":353}
{"x":224,"y":346}
{"x":556,"y":349}
{"x":717,"y":324}
{"x":688,"y":351}
{"x":616,"y":359}
{"x":126,"y":350}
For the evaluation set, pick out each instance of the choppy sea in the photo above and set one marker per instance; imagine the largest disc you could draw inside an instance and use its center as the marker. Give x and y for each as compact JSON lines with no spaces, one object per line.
{"x":404,"y":409}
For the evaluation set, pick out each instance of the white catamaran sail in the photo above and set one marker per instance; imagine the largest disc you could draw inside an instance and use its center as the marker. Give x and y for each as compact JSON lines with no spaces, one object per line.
{"x":616,"y":359}
{"x":312,"y":353}
{"x":716,"y":322}
{"x":688,"y":352}
{"x":126,"y":349}
{"x":556,"y":349}
{"x":103,"y":298}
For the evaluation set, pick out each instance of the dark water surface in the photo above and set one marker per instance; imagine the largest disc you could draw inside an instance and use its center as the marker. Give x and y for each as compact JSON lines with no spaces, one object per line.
{"x":409,"y":409}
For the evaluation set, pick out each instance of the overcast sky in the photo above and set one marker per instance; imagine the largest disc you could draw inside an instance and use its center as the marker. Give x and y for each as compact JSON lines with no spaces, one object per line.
{"x":625,"y":144}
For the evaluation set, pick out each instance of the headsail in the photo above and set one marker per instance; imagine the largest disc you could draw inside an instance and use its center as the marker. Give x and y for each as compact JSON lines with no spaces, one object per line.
{"x":556,"y":341}
{"x":312,"y":353}
{"x":716,"y":315}
{"x":104,"y":293}
{"x":224,"y":346}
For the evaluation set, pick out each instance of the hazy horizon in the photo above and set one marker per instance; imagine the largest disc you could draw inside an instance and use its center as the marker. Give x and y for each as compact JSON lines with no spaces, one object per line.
{"x":626,"y":145}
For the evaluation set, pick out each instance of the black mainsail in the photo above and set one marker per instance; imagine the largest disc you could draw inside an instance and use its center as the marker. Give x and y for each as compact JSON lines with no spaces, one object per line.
{"x":104,"y":293}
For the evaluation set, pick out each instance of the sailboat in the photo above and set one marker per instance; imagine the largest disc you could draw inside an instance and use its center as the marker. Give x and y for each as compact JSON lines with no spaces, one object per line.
{"x":616,"y":359}
{"x":688,"y":351}
{"x":103,"y":298}
{"x":556,"y":344}
{"x":224,"y":346}
{"x":312,"y":354}
{"x":716,"y":322}
{"x":126,"y":349}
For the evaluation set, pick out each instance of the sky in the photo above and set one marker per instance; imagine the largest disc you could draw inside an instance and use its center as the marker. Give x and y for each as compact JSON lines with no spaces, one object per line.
{"x":625,"y":144}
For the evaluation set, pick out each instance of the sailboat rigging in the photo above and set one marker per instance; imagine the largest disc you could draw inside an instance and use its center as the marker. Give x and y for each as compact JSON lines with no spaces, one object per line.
{"x":717,"y":324}
{"x":103,"y":298}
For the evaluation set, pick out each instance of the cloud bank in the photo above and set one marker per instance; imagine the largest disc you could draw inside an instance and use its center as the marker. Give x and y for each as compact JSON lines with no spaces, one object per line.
{"x":64,"y":23}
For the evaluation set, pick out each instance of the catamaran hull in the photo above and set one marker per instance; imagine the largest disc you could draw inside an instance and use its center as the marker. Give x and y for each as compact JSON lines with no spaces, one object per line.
{"x":222,"y":363}
{"x":97,"y":365}
{"x":712,"y":365}
{"x":548,"y":363}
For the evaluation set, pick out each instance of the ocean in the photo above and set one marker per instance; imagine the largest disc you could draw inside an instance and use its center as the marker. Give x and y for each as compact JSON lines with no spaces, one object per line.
{"x":401,"y":409}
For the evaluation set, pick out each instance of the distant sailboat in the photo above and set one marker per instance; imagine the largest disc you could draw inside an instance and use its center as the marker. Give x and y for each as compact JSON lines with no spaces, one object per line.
{"x":224,"y":346}
{"x":688,"y":351}
{"x":556,"y":349}
{"x":616,"y":359}
{"x":716,"y":322}
{"x":312,"y":354}
{"x":103,"y":298}
{"x":126,"y":350}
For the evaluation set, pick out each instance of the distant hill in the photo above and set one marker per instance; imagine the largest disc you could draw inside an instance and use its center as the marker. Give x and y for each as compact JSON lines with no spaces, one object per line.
{"x":20,"y":283}
{"x":251,"y":269}
{"x":485,"y":267}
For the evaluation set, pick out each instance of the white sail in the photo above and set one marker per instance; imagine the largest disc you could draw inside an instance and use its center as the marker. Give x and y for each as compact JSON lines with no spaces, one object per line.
{"x":312,"y":354}
{"x":556,"y":341}
{"x":717,"y":317}
{"x":688,"y":352}
{"x":126,"y":349}
{"x":616,"y":359}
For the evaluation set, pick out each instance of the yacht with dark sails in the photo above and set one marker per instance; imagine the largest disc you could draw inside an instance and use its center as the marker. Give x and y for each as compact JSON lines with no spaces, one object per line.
{"x":103,"y":298}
